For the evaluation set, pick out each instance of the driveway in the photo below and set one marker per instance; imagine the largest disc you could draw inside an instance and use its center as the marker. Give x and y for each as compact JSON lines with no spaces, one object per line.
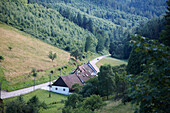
{"x":44,"y":86}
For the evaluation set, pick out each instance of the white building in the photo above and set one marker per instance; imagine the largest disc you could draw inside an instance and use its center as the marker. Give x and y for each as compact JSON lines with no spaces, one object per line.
{"x":63,"y":84}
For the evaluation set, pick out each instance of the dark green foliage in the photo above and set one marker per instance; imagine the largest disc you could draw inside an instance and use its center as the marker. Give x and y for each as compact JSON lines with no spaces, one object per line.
{"x":121,"y":49}
{"x":77,"y":54}
{"x":90,"y":88}
{"x":76,"y":87}
{"x":79,"y":19}
{"x":76,"y":104}
{"x":100,"y":44}
{"x":33,"y":105}
{"x":16,"y":106}
{"x":73,"y":100}
{"x":93,"y":102}
{"x":150,"y":88}
{"x":76,"y":110}
{"x":121,"y":83}
{"x":20,"y":106}
{"x":165,"y":35}
{"x":10,"y":48}
{"x":34,"y":74}
{"x":152,"y":28}
{"x":52,"y":56}
{"x":139,"y":7}
{"x":103,"y":41}
{"x":136,"y":61}
{"x":90,"y":44}
{"x":45,"y":24}
{"x":1,"y":58}
{"x":106,"y":81}
{"x":91,"y":29}
{"x":1,"y":105}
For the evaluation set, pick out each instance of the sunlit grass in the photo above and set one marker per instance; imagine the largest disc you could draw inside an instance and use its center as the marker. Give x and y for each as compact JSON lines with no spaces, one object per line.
{"x":27,"y":53}
{"x":116,"y":107}
{"x":111,"y":61}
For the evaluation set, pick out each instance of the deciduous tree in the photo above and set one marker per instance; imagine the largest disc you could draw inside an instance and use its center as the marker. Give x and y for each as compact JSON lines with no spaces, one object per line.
{"x":106,"y":81}
{"x":34,"y":74}
{"x":52,"y":56}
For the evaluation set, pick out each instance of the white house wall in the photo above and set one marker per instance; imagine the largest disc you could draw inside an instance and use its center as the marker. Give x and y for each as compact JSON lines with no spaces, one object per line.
{"x":61,"y":90}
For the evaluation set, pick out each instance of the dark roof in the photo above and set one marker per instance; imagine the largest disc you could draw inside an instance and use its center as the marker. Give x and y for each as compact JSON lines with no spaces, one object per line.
{"x":60,"y":82}
{"x":81,"y":74}
{"x":71,"y":80}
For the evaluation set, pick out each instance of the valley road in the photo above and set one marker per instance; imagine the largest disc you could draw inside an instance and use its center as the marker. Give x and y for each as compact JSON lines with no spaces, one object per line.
{"x":44,"y":86}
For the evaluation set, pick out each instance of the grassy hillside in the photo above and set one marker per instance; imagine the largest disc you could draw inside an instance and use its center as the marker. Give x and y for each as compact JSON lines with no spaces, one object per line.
{"x":111,"y":61}
{"x":27,"y":53}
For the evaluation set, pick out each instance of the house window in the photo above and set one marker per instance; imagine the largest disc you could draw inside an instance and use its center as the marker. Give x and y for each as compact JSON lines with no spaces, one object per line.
{"x":63,"y":89}
{"x":56,"y":88}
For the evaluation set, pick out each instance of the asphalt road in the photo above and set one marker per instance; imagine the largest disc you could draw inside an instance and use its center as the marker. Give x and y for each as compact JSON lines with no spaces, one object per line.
{"x":93,"y":62}
{"x":44,"y":86}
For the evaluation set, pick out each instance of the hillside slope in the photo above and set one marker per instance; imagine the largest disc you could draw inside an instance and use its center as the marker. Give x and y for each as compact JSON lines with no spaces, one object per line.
{"x":45,"y":24}
{"x":26,"y":53}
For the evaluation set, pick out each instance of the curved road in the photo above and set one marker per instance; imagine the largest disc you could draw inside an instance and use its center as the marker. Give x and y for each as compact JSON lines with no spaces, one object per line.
{"x":44,"y":86}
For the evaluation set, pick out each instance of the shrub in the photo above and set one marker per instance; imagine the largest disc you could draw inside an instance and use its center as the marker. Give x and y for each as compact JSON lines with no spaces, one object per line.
{"x":1,"y":58}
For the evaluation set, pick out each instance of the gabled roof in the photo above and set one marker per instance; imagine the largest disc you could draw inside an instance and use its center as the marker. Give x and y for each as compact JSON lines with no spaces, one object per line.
{"x":81,"y":74}
{"x":67,"y":81}
{"x":71,"y":80}
{"x":60,"y":82}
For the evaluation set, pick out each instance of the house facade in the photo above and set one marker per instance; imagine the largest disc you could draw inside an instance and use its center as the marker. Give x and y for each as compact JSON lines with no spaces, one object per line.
{"x":63,"y":84}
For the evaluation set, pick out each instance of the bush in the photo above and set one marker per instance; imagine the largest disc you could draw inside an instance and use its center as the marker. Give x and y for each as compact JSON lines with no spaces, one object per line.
{"x":1,"y":58}
{"x":20,"y":106}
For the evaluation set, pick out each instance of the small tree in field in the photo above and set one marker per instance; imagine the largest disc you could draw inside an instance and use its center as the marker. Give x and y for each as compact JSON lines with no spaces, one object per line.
{"x":1,"y":58}
{"x":34,"y":74}
{"x":52,"y":56}
{"x":10,"y":48}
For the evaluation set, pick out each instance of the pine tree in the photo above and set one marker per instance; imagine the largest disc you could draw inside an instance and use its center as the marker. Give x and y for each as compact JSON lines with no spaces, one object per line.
{"x":79,"y":19}
{"x":88,"y":44}
{"x":90,"y":27}
{"x":84,"y":22}
{"x":165,"y":35}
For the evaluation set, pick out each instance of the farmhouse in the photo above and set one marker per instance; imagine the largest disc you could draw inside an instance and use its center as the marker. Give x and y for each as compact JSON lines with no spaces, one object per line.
{"x":63,"y":84}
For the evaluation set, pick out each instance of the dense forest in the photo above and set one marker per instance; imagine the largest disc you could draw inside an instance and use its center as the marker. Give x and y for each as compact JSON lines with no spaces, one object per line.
{"x":46,"y":24}
{"x":69,"y":24}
